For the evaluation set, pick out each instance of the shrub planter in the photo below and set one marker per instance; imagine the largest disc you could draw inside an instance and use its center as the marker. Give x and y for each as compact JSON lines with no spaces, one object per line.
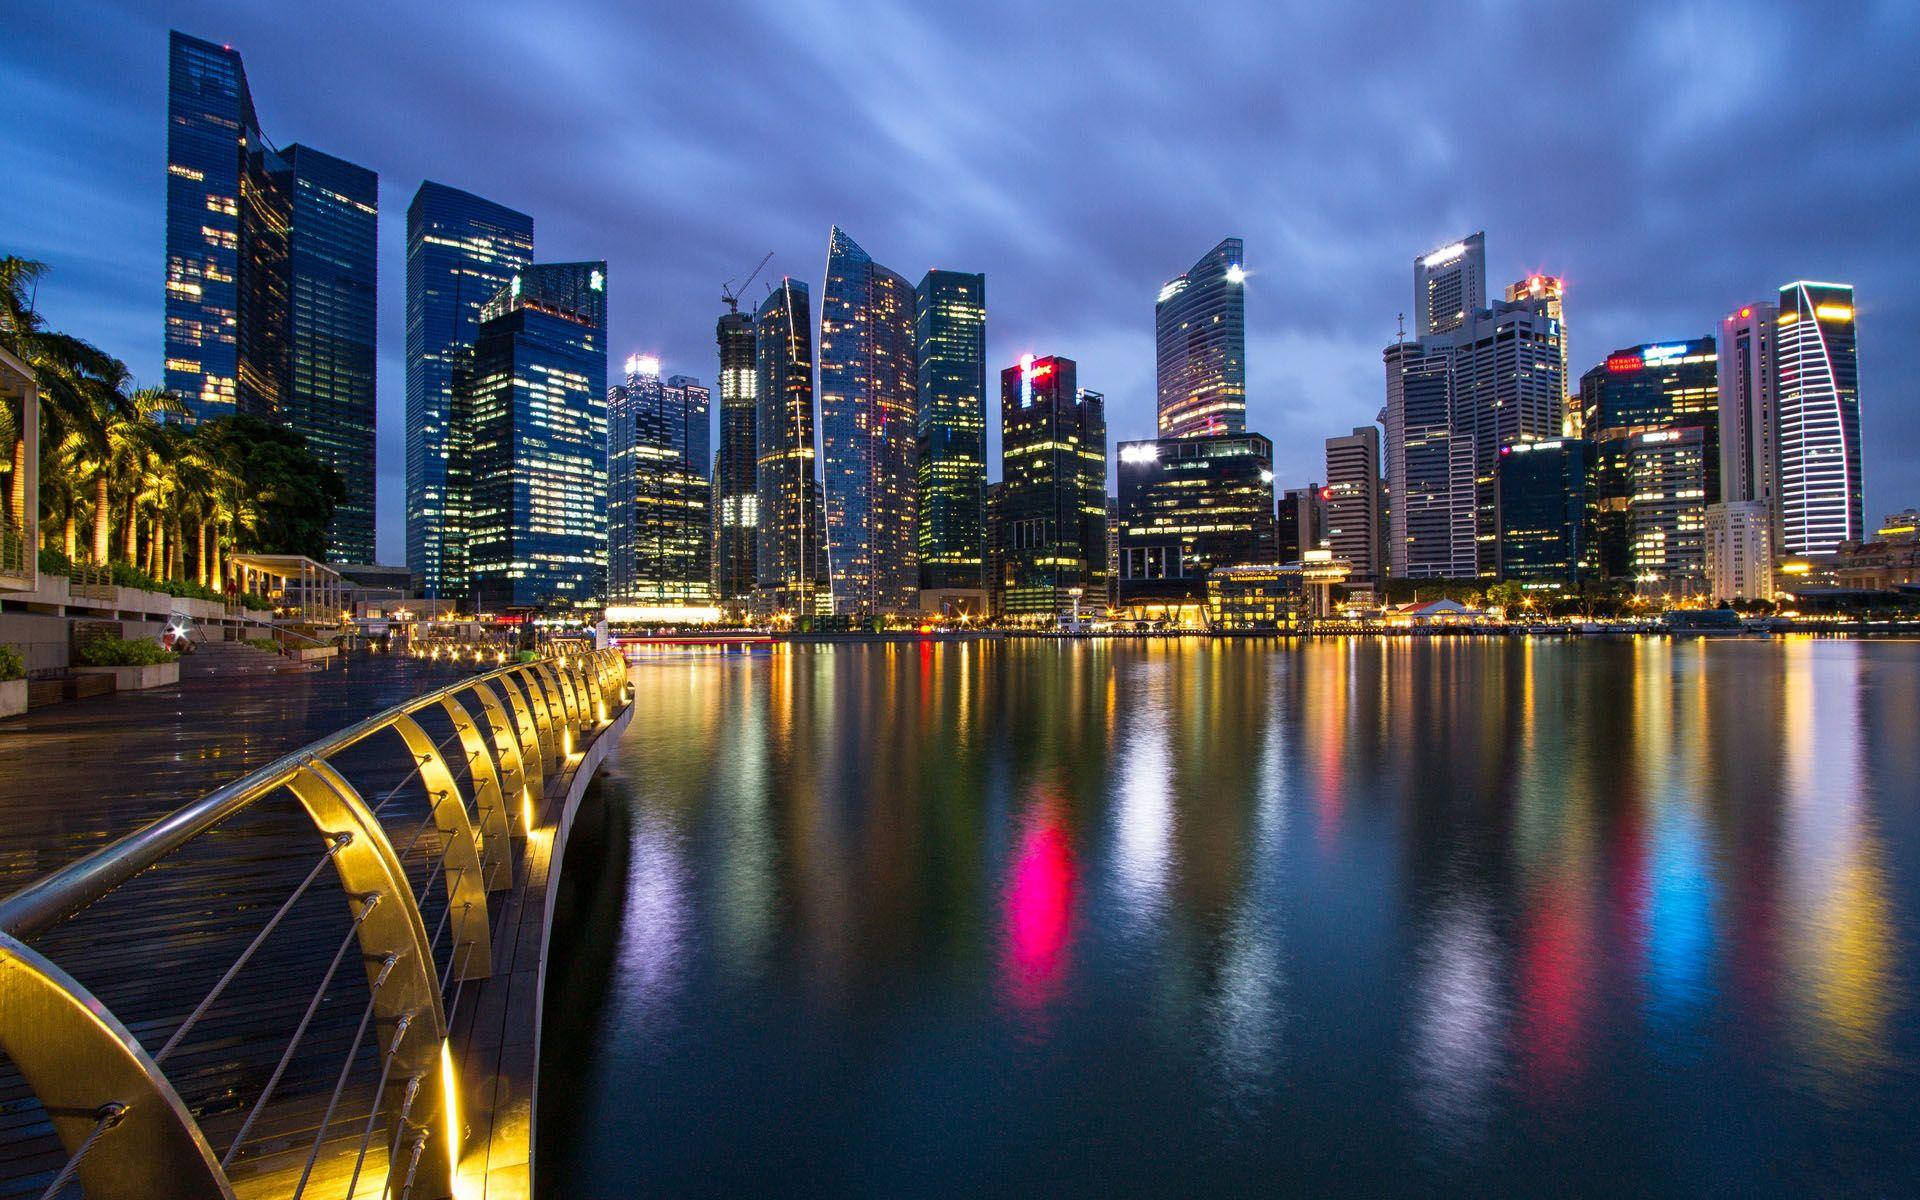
{"x":313,"y":653}
{"x":133,"y":679}
{"x":13,"y":697}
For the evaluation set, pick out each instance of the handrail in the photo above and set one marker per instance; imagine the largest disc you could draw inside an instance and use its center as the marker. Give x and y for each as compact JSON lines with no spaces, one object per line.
{"x":125,"y":1127}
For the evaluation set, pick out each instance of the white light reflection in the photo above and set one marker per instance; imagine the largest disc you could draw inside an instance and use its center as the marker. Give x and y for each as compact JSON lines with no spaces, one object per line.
{"x":1144,"y":816}
{"x":1457,"y":1021}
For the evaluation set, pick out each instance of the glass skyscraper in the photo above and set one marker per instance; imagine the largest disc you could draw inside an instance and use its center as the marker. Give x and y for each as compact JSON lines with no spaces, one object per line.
{"x":1821,"y":496}
{"x":1053,"y":501}
{"x":1186,"y":506}
{"x":1543,"y":511}
{"x":736,"y":502}
{"x":1200,"y":335}
{"x":271,"y":278}
{"x":792,"y":556}
{"x":1657,"y":387}
{"x":868,"y":437}
{"x":534,"y":396}
{"x":659,"y":543}
{"x":951,"y":329}
{"x":461,"y":252}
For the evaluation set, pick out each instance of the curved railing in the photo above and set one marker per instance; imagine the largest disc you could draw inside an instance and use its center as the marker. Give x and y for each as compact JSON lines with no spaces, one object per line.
{"x":112,"y":1102}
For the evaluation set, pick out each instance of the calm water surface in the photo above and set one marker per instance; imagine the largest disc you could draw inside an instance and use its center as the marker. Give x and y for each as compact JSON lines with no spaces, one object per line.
{"x":1374,"y":918}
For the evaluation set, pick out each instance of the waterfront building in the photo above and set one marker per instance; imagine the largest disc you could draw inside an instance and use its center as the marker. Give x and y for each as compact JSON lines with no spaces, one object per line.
{"x":1300,"y":522}
{"x":1821,"y":495}
{"x":1543,"y":511}
{"x":1639,"y":390}
{"x":659,"y":532}
{"x":868,"y":434}
{"x":1113,"y":551}
{"x":1355,"y":505}
{"x":996,"y":559}
{"x":736,"y":501}
{"x":1739,"y":550}
{"x":1670,"y":474}
{"x":1186,"y":506}
{"x":950,"y":327}
{"x":1449,"y":284}
{"x":1891,"y":560}
{"x":461,"y":251}
{"x":271,"y":278}
{"x":1746,"y":376}
{"x":1200,"y":337}
{"x":1052,"y":506}
{"x":791,"y":553}
{"x":1429,"y":470}
{"x":532,"y":397}
{"x":1553,"y":290}
{"x":1274,"y":597}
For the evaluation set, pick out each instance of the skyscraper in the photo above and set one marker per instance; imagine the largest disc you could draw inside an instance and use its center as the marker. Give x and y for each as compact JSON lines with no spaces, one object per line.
{"x":736,"y":504}
{"x":1749,"y":412}
{"x":1652,"y":388}
{"x":1053,"y":502}
{"x":1543,"y":511}
{"x":461,"y":251}
{"x":1186,"y":506}
{"x":1739,"y":550}
{"x":1668,"y":474}
{"x":868,"y":379}
{"x":951,"y":332}
{"x":1821,"y":496}
{"x":1449,"y":285}
{"x":1355,"y":503}
{"x":1200,"y":334}
{"x":1430,"y":528}
{"x":791,"y":565}
{"x":271,"y":278}
{"x":535,"y":393}
{"x":1300,"y":521}
{"x":1553,"y":290}
{"x":659,"y":531}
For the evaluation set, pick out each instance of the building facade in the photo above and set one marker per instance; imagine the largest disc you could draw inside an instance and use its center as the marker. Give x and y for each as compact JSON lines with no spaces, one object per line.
{"x":659,"y":527}
{"x":791,"y":563}
{"x":1052,"y":507}
{"x":461,"y":252}
{"x":868,"y":432}
{"x":1553,"y":290}
{"x":1739,"y":550}
{"x":533,"y":398}
{"x":1821,"y":494}
{"x":736,"y":501}
{"x":1356,"y":505}
{"x":1449,"y":285}
{"x":1543,"y":512}
{"x":1200,"y":346}
{"x":1186,"y":506}
{"x":1670,"y":474}
{"x":1747,"y":375}
{"x":1651,"y":388}
{"x":951,"y":342}
{"x":1430,"y":530}
{"x":1300,"y":522}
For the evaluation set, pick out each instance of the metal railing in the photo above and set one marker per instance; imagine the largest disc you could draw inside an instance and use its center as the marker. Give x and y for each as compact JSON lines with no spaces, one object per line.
{"x":113,"y":1103}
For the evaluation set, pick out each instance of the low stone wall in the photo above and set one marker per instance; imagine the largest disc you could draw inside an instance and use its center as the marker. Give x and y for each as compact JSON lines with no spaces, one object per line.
{"x":134,"y":679}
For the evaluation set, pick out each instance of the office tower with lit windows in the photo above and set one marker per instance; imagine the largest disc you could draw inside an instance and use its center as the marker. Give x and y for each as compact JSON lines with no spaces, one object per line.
{"x":533,"y":397}
{"x":1641,"y":390}
{"x":736,"y":503}
{"x":1553,"y":290}
{"x":1200,"y":335}
{"x":868,"y":432}
{"x":1449,"y":285}
{"x":1543,"y":512}
{"x":951,"y":336}
{"x":1748,"y":411}
{"x":1186,"y":506}
{"x":461,"y":251}
{"x":792,"y":567}
{"x":659,"y":531}
{"x":1821,"y":495}
{"x":271,"y":279}
{"x":1739,"y":550}
{"x":1053,"y":502}
{"x":1669,"y":474}
{"x":1355,"y":505}
{"x":1430,"y":530}
{"x":1300,"y":520}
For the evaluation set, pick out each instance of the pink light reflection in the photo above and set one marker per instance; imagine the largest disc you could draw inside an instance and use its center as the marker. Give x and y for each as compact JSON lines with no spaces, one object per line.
{"x":1039,"y":913}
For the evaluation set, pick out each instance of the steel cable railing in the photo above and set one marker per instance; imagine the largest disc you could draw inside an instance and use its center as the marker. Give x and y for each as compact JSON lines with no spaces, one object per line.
{"x":121,"y":1116}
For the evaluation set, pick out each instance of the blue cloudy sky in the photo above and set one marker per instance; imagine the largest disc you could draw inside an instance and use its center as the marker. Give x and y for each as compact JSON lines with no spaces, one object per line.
{"x":1671,"y":160}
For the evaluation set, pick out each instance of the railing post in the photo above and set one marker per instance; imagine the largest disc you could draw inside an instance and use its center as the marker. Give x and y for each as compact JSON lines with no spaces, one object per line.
{"x":519,"y":782}
{"x":466,"y":887}
{"x":496,"y":839}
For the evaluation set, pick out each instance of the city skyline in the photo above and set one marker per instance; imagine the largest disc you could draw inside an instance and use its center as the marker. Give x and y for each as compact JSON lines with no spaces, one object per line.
{"x":1328,"y":273}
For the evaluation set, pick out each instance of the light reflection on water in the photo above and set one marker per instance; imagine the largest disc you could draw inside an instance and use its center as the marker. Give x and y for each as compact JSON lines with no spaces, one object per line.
{"x":1366,"y":917}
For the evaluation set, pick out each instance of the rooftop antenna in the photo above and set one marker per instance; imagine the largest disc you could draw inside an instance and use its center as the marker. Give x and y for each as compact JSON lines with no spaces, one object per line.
{"x":1401,"y":320}
{"x":732,"y":295}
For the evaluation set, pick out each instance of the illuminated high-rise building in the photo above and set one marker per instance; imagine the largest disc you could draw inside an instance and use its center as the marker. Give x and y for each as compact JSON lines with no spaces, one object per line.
{"x":271,"y":279}
{"x":1748,"y":408}
{"x":1430,"y":527}
{"x":951,"y":331}
{"x":736,"y":503}
{"x":1543,"y":512}
{"x":1654,"y":388}
{"x":1355,"y":505}
{"x":1553,"y":290}
{"x":1300,"y":521}
{"x":461,"y":251}
{"x":868,"y":433}
{"x":1821,"y":496}
{"x":659,"y":531}
{"x":1449,"y":285}
{"x":1053,"y":503}
{"x":533,"y":399}
{"x":1186,"y":506}
{"x":1200,"y":335}
{"x":791,"y":544}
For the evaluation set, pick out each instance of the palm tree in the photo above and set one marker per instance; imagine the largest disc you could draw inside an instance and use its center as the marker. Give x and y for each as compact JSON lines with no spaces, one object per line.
{"x":129,"y":435}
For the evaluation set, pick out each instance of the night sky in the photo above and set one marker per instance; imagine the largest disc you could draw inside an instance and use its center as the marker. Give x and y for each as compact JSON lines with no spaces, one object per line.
{"x":1672,"y":161}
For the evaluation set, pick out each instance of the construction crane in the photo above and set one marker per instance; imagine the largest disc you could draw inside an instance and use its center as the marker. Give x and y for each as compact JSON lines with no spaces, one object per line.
{"x":731,"y":296}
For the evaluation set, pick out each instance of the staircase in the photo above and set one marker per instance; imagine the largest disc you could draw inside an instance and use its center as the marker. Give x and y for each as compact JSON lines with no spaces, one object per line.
{"x":219,"y":660}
